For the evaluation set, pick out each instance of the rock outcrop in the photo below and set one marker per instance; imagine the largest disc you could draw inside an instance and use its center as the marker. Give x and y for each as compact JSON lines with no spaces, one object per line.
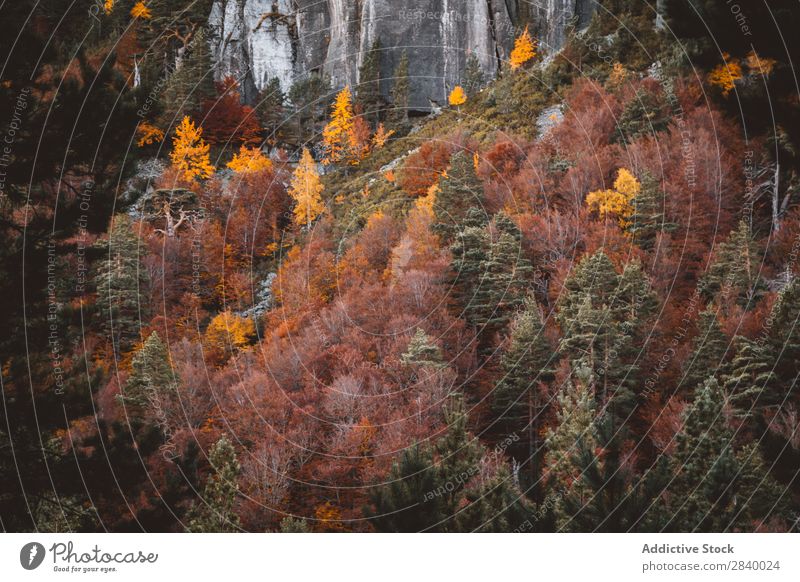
{"x":256,"y":40}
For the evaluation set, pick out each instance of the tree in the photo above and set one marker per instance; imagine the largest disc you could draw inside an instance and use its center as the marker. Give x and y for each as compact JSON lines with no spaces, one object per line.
{"x":752,"y":385}
{"x":140,"y":10}
{"x":271,"y":110}
{"x":709,"y":353}
{"x":617,"y":201}
{"x":422,"y":351}
{"x":704,"y":466}
{"x":725,"y":75}
{"x":227,"y":334}
{"x":190,"y":85}
{"x":527,"y":365}
{"x":190,"y":154}
{"x":734,"y":275}
{"x":398,"y":115}
{"x":152,"y":380}
{"x":250,"y":160}
{"x":473,"y":76}
{"x":524,"y":50}
{"x":369,"y":84}
{"x":122,"y":286}
{"x":306,"y":190}
{"x":458,"y":191}
{"x":643,"y":115}
{"x":337,"y":134}
{"x":226,"y":120}
{"x":647,"y":218}
{"x":215,"y":512}
{"x":457,"y":96}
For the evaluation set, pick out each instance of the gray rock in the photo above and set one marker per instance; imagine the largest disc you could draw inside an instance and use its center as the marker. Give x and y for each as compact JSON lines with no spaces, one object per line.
{"x":255,"y":40}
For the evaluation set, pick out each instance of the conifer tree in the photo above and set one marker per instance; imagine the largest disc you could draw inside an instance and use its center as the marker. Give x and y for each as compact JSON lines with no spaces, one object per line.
{"x":398,"y":116}
{"x":752,"y":385}
{"x":422,"y":351}
{"x":642,"y":115}
{"x":121,"y":286}
{"x":457,"y":96}
{"x":190,"y":153}
{"x":470,"y":251}
{"x":709,"y":350}
{"x":271,"y":110}
{"x":734,"y":276}
{"x":492,"y":505}
{"x":648,"y":218}
{"x":190,"y":84}
{"x":410,"y":501}
{"x":704,"y":466}
{"x":152,"y":378}
{"x":337,"y":134}
{"x":527,"y":365}
{"x":784,"y":336}
{"x":524,"y":50}
{"x":369,"y":84}
{"x":215,"y":511}
{"x":459,"y":190}
{"x":473,"y":76}
{"x":306,"y":191}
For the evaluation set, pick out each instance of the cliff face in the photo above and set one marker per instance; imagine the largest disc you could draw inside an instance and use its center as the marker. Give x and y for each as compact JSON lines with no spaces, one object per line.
{"x":256,"y":40}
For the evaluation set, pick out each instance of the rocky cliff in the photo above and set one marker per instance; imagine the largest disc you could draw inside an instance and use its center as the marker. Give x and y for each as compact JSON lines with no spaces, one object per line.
{"x":256,"y":40}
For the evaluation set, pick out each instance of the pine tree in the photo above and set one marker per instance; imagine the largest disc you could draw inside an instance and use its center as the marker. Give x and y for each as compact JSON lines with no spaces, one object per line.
{"x":642,"y":115}
{"x":190,"y":153}
{"x":492,"y":505}
{"x":271,"y":110}
{"x":190,"y":84}
{"x":784,"y":336}
{"x":473,"y":76}
{"x":410,"y":501}
{"x":122,"y":286}
{"x":734,"y":276}
{"x":459,"y":190}
{"x":752,"y":385}
{"x":369,"y":84}
{"x":704,"y":467}
{"x":709,"y":351}
{"x":306,"y":191}
{"x":398,"y":116}
{"x":336,"y":135}
{"x":527,"y":364}
{"x":648,"y":218}
{"x":215,"y":512}
{"x":294,"y":525}
{"x":152,"y":380}
{"x":470,"y":252}
{"x":422,"y":351}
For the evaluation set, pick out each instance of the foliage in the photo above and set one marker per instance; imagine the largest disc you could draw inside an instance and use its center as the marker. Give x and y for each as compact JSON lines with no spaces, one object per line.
{"x":524,"y":50}
{"x":250,"y":160}
{"x":215,"y":512}
{"x":618,"y":201}
{"x":306,"y":190}
{"x":190,"y":153}
{"x":457,"y":96}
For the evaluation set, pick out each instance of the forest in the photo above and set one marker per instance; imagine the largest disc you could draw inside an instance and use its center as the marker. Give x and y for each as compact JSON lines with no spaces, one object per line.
{"x":566,"y":300}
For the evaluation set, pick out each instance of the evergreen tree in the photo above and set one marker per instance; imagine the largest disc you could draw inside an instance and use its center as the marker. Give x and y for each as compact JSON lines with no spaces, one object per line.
{"x":422,"y":351}
{"x":271,"y":110}
{"x":752,"y":385}
{"x":410,"y":501}
{"x":459,"y":191}
{"x":473,"y":76}
{"x":215,"y":512}
{"x":398,"y":116}
{"x":734,"y":276}
{"x":294,"y":525}
{"x":704,"y":467}
{"x":648,"y":218}
{"x":709,"y":351}
{"x":121,"y":286}
{"x":642,"y":115}
{"x":784,"y":337}
{"x":527,"y":365}
{"x":309,"y":98}
{"x":369,"y":84}
{"x":189,"y":85}
{"x":152,"y":378}
{"x":493,"y":505}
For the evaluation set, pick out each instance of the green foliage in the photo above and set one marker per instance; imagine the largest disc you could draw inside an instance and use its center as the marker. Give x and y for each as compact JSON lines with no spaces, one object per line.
{"x":422,"y":351}
{"x":473,"y":76}
{"x":709,"y":351}
{"x":271,"y":110}
{"x":294,"y":525}
{"x":121,"y":286}
{"x":644,"y":114}
{"x":648,"y":219}
{"x":152,"y":380}
{"x":189,"y":85}
{"x":398,"y":114}
{"x":734,"y":276}
{"x":459,"y":191}
{"x":368,"y":91}
{"x":215,"y":512}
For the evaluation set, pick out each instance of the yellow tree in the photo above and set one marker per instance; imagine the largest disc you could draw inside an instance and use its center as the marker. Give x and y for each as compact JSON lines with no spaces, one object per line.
{"x":337,"y":135}
{"x":457,"y":96}
{"x":148,"y":134}
{"x":189,"y":151}
{"x":306,"y":191}
{"x":726,"y":74}
{"x":524,"y":50}
{"x":226,"y":334}
{"x":249,"y":160}
{"x":619,"y":200}
{"x":139,"y":10}
{"x":381,"y":136}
